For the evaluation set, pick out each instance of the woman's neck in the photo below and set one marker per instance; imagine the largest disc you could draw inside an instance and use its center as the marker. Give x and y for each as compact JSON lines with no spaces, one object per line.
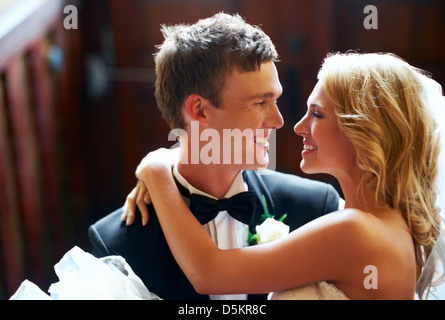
{"x":355,"y":195}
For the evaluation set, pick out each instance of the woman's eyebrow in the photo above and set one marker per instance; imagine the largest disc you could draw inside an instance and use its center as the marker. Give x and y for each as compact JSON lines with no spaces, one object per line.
{"x":315,"y":105}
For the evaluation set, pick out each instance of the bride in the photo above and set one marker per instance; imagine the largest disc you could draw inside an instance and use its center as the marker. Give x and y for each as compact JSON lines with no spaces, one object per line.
{"x":369,"y":124}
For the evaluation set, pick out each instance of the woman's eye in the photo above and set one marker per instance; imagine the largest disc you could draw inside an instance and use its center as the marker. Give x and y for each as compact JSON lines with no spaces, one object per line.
{"x":316,"y":115}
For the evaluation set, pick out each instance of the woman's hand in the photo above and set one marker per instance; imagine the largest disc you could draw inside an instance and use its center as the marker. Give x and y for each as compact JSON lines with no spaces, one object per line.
{"x":140,"y":197}
{"x":161,"y":159}
{"x":156,"y":161}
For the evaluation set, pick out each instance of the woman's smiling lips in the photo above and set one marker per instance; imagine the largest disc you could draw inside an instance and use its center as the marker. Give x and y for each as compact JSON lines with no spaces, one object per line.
{"x":308,"y":148}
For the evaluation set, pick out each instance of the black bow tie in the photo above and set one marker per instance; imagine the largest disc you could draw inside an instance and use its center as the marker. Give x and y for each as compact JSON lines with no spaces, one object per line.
{"x":241,"y":207}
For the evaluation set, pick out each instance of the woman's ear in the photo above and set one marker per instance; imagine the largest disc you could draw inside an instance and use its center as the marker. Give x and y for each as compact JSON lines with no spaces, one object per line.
{"x":195,"y":106}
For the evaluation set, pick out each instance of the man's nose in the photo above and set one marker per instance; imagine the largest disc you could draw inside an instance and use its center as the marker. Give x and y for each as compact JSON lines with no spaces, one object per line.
{"x":275,"y":119}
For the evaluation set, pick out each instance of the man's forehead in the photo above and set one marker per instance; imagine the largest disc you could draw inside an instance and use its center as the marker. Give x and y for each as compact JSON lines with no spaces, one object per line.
{"x":255,"y":84}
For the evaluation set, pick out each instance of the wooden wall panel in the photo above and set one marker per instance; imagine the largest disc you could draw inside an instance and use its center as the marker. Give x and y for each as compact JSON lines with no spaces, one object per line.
{"x":46,"y":116}
{"x":28,"y":165}
{"x":11,"y":241}
{"x":414,"y":30}
{"x":32,"y":220}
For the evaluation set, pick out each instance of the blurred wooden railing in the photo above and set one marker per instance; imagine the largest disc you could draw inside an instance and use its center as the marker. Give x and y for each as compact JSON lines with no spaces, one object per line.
{"x":32,"y":231}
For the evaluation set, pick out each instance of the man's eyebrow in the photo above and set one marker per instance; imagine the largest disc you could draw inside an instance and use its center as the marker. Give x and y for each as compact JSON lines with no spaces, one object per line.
{"x":267,"y":95}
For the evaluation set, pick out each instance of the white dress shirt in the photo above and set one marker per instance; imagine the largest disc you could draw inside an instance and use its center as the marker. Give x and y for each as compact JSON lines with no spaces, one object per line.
{"x":227,"y":232}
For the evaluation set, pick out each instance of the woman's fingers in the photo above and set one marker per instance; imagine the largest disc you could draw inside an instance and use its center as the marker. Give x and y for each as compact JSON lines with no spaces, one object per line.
{"x":138,"y":197}
{"x":128,"y":211}
{"x":142,"y":201}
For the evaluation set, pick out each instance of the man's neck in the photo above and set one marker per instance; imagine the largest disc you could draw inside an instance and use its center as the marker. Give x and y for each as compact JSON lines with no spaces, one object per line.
{"x":214,"y":180}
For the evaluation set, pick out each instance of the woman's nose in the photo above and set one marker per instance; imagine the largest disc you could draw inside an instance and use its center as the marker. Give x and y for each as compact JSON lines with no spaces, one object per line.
{"x":302,"y":127}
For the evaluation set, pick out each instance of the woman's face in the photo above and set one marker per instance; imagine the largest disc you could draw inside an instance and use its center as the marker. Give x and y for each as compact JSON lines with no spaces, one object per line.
{"x":326,"y":148}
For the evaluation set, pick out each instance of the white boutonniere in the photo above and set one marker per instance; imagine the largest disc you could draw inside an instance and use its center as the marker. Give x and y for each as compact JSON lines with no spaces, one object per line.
{"x":270,"y":229}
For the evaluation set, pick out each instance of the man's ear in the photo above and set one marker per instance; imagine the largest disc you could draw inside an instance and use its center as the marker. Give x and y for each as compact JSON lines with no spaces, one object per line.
{"x":195,"y":107}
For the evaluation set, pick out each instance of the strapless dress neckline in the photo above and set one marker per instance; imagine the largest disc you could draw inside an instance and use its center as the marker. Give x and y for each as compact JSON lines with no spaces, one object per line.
{"x":315,"y":291}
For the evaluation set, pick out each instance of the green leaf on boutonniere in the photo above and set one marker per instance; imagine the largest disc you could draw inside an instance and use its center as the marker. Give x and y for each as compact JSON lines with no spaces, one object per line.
{"x":266,"y":213}
{"x":252,"y":239}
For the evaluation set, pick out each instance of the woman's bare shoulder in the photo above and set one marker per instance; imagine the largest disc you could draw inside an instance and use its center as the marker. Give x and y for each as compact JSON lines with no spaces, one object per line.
{"x":379,"y":245}
{"x":365,"y":231}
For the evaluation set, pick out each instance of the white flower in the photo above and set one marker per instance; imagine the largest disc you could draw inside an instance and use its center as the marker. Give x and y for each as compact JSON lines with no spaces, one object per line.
{"x":270,"y":230}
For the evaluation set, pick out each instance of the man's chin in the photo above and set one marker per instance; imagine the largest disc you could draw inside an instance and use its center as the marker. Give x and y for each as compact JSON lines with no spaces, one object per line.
{"x":257,"y":166}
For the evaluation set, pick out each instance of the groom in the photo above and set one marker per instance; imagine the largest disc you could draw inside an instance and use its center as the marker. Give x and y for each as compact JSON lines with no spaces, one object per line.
{"x":215,"y":77}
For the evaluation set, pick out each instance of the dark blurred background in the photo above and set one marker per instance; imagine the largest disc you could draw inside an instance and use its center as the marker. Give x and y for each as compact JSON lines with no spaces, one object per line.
{"x":104,"y":117}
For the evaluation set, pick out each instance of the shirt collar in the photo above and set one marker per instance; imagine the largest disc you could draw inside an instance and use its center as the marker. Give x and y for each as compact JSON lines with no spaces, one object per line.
{"x":237,"y":186}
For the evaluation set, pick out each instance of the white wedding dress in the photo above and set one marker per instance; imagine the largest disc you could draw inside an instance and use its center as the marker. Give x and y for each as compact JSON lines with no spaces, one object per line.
{"x":315,"y":291}
{"x":84,"y":277}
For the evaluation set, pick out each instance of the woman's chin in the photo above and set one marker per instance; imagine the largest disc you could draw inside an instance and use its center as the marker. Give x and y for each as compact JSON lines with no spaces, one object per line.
{"x":307,"y":169}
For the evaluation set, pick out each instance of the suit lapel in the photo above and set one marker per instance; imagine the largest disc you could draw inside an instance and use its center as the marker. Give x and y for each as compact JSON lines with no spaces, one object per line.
{"x":256,"y":184}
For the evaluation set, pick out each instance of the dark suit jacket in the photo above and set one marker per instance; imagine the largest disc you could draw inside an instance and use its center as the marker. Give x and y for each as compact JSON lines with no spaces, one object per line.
{"x":147,"y":252}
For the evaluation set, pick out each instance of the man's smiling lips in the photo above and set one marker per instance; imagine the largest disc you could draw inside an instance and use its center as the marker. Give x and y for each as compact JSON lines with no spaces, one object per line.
{"x":263,"y":141}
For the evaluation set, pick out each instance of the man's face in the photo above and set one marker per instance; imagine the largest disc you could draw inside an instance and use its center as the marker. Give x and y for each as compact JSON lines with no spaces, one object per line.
{"x":248,"y":112}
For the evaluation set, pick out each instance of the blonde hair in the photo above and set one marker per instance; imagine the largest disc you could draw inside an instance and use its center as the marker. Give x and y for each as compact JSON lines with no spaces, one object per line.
{"x":380,"y":104}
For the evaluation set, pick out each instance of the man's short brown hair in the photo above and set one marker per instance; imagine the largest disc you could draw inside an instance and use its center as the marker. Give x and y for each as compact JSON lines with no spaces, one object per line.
{"x":196,"y":59}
